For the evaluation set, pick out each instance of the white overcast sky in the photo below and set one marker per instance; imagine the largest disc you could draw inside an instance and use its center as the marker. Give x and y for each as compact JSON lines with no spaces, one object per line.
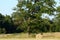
{"x":6,"y":6}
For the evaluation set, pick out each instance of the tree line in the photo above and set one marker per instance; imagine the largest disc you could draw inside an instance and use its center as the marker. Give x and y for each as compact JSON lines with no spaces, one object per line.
{"x":27,"y":17}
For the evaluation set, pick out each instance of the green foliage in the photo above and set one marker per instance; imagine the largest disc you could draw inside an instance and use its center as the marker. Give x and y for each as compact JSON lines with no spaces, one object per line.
{"x":27,"y":16}
{"x":58,"y":8}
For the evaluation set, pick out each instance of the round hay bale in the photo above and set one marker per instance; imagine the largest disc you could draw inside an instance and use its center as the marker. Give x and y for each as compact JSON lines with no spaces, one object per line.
{"x":39,"y":36}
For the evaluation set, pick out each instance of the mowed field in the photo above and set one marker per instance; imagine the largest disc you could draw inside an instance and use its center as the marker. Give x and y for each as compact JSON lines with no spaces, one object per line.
{"x":24,"y":36}
{"x":27,"y":39}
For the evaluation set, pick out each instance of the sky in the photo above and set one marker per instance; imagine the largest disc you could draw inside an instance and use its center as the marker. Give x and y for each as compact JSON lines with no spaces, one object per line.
{"x":6,"y":6}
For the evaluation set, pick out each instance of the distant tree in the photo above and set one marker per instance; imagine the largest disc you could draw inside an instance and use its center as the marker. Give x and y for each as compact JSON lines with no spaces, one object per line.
{"x":57,"y":19}
{"x":2,"y":29}
{"x":9,"y":25}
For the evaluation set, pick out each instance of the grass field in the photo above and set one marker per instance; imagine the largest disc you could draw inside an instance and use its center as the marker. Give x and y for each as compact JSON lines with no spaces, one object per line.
{"x":27,"y":39}
{"x":24,"y":36}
